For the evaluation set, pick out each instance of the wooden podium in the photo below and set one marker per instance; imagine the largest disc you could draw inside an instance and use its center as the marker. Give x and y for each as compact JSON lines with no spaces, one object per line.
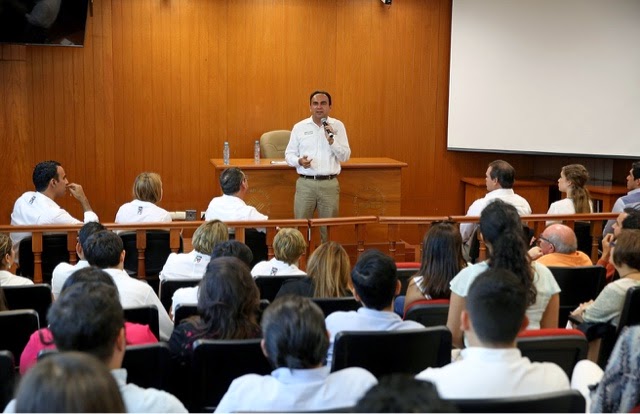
{"x":368,"y":186}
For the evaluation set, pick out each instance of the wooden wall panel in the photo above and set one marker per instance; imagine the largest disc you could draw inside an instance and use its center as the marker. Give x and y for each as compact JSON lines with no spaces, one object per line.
{"x":161,"y":84}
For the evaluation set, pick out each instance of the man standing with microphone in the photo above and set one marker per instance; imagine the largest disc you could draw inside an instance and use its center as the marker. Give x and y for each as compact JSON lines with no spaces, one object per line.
{"x":316,"y":148}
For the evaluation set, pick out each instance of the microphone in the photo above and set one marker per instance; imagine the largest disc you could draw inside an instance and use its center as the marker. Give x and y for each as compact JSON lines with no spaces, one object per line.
{"x":326,"y":124}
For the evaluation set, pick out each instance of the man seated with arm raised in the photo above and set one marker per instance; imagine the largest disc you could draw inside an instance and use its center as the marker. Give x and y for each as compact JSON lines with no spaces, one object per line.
{"x":375,"y":282}
{"x":558,"y":246}
{"x":492,"y":366}
{"x":105,"y":250}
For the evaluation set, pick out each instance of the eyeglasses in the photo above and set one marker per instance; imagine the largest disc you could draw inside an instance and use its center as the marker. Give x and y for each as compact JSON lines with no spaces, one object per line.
{"x":540,"y":239}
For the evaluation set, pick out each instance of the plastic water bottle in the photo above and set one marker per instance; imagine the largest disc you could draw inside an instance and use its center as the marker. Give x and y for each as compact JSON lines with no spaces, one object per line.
{"x":256,"y":152}
{"x":225,"y":153}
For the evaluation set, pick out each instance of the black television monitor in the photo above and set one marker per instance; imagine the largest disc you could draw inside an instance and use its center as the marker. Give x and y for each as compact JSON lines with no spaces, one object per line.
{"x":43,"y":22}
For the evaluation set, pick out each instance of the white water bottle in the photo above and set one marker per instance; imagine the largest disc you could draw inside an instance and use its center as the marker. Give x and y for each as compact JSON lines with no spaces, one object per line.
{"x":256,"y":152}
{"x":225,"y":153}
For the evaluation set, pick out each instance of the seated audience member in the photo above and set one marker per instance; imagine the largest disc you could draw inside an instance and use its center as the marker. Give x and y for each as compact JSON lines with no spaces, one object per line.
{"x":572,"y":181}
{"x":558,"y":246}
{"x":375,"y":284}
{"x":441,"y":260}
{"x":617,"y":389}
{"x":499,"y":179}
{"x":628,"y":219}
{"x":401,"y":393}
{"x":632,"y":199}
{"x":63,"y":270}
{"x":147,"y":192}
{"x":230,"y":248}
{"x":136,"y":334}
{"x":295,"y":343}
{"x":89,"y":318}
{"x":106,"y":251}
{"x":607,"y":307}
{"x":492,"y":366}
{"x":39,"y":207}
{"x":69,"y":382}
{"x":7,"y":258}
{"x":327,"y":275}
{"x":228,"y":305}
{"x":506,"y":249}
{"x":193,"y":264}
{"x":288,"y":247}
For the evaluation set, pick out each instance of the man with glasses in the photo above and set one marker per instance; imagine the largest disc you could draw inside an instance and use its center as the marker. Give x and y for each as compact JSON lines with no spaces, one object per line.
{"x":628,"y":219}
{"x":558,"y":246}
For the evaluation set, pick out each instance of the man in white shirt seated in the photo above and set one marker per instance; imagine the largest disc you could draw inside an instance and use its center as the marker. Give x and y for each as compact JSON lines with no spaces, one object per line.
{"x":39,"y":207}
{"x":631,"y":199}
{"x":105,"y":250}
{"x":63,"y":270}
{"x":558,"y":246}
{"x":193,"y":264}
{"x":492,"y":366}
{"x":375,"y":282}
{"x":288,"y":246}
{"x":89,"y":318}
{"x":295,"y":343}
{"x":499,"y":179}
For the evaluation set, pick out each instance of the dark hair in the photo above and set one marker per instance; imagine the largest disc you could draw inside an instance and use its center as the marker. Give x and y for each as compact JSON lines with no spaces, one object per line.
{"x":632,"y":221}
{"x":231,"y":180}
{"x":88,"y":274}
{"x":87,"y":230}
{"x":503,"y":172}
{"x":233,"y":248}
{"x":496,"y":304}
{"x":635,"y":170}
{"x":69,"y":382}
{"x":441,"y":259}
{"x":43,"y":173}
{"x":402,"y":393}
{"x":501,"y":229}
{"x":578,"y":175}
{"x":627,"y":250}
{"x":87,"y":317}
{"x":295,"y":334}
{"x":314,"y":93}
{"x":374,"y":279}
{"x":3,"y":301}
{"x":228,"y":300}
{"x":103,"y":249}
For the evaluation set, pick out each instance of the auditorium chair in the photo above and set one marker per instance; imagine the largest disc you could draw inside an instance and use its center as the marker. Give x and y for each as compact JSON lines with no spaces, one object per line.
{"x":568,"y":401}
{"x":144,"y":315}
{"x":169,"y":287}
{"x":54,"y":252}
{"x":429,"y":312}
{"x":564,"y":347}
{"x":274,"y":143}
{"x":405,"y":271}
{"x":148,"y":365}
{"x":16,"y":327}
{"x":216,"y":363}
{"x":330,"y":305}
{"x":388,"y":352}
{"x":578,"y":285}
{"x":7,"y":377}
{"x":36,"y":297}
{"x":184,"y":311}
{"x":269,"y":286}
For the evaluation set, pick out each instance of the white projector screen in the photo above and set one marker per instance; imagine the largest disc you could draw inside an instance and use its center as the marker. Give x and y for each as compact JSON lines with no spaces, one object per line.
{"x":545,"y":77}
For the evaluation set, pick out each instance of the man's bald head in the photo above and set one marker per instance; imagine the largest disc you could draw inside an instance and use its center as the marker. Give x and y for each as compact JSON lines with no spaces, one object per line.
{"x":561,"y":237}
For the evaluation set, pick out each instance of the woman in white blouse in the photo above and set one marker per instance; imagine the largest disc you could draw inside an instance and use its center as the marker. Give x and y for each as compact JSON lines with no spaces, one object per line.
{"x":147,"y":192}
{"x":572,"y":181}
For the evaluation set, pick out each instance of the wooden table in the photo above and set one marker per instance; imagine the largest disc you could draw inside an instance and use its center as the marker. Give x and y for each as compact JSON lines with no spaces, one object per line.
{"x":607,"y":194}
{"x":535,"y":191}
{"x":368,"y":186}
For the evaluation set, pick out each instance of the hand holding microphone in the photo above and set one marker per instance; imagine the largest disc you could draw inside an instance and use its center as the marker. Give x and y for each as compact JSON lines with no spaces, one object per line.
{"x":328,"y":129}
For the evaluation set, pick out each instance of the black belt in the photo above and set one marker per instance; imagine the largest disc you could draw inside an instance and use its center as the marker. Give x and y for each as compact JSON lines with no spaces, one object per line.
{"x":319,"y":177}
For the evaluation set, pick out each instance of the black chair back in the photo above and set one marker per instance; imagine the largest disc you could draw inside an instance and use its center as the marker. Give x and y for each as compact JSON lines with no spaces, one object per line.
{"x":428,"y":312}
{"x":182,"y":312}
{"x":16,"y":327}
{"x":7,"y":377}
{"x":155,"y":255}
{"x":569,"y":401}
{"x":216,"y":363}
{"x":36,"y":297}
{"x":630,"y":316}
{"x":54,"y":252}
{"x":583,"y":235}
{"x":388,"y":352}
{"x":330,"y":305}
{"x":144,"y":315}
{"x":579,"y":285}
{"x":169,"y":287}
{"x":149,"y":365}
{"x":269,"y":286}
{"x":563,"y":350}
{"x":404,"y":276}
{"x":631,"y":310}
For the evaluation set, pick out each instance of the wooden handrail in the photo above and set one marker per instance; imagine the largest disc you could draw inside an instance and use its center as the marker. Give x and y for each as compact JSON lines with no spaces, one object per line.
{"x":393,"y":230}
{"x":360,"y":229}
